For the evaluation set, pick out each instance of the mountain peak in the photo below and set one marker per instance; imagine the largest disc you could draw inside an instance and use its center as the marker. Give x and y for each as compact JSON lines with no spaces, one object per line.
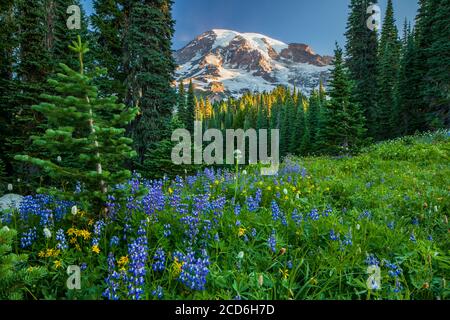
{"x":237,"y":62}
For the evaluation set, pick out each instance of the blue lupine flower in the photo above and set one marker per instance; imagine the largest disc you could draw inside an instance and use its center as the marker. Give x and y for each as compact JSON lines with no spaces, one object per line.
{"x":216,"y":237}
{"x":327,"y":211}
{"x":415,"y":221}
{"x":253,"y":203}
{"x":398,"y":286}
{"x":98,"y":228}
{"x":238,"y":223}
{"x":159,"y":260}
{"x":253,"y":233}
{"x":272,"y":242}
{"x":412,"y":237}
{"x":61,"y":238}
{"x":276,"y":212}
{"x":391,"y":225}
{"x":289,"y":265}
{"x":297,"y":217}
{"x":112,"y":281}
{"x":395,"y":270}
{"x":365,"y":215}
{"x":372,"y":260}
{"x":28,"y":238}
{"x":237,"y":210}
{"x":194,"y":270}
{"x":348,"y":239}
{"x":430,"y":237}
{"x":137,"y":251}
{"x":83,"y":266}
{"x":314,"y":215}
{"x":114,"y":242}
{"x":167,"y":231}
{"x":369,"y":184}
{"x":159,"y":292}
{"x":334,"y":236}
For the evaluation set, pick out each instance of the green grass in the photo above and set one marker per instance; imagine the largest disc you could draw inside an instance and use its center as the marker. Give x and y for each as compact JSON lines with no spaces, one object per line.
{"x":391,"y":201}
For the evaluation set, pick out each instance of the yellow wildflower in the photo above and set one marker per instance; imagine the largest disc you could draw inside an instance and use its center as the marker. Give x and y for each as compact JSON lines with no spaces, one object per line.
{"x":96,"y":249}
{"x":85,"y":234}
{"x":284,"y":273}
{"x":176,"y":267}
{"x":73,"y":240}
{"x":242,"y":232}
{"x":123,"y":261}
{"x":41,"y":254}
{"x":72,"y":231}
{"x":57,"y":264}
{"x":90,"y":222}
{"x":77,"y":247}
{"x":170,"y":190}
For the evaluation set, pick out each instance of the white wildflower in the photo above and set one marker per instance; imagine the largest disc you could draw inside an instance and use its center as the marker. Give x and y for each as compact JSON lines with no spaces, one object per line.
{"x":74,"y":210}
{"x":47,"y":233}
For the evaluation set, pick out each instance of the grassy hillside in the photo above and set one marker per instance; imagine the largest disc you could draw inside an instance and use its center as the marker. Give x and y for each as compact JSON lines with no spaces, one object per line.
{"x":318,"y":230}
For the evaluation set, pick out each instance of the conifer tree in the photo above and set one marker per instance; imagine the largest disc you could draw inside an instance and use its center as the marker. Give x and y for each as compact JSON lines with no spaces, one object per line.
{"x":190,"y":115}
{"x":33,"y":66}
{"x":152,"y":66}
{"x":389,"y":55}
{"x":313,"y":119}
{"x":361,"y":48}
{"x":59,"y":35}
{"x":437,"y":90}
{"x":410,"y":117}
{"x":343,"y":127}
{"x":84,"y":141}
{"x":8,"y":43}
{"x":181,"y":102}
{"x":298,"y":130}
{"x":424,"y":38}
{"x":111,"y":24}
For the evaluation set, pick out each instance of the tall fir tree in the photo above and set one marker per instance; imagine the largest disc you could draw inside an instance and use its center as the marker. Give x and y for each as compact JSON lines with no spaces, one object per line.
{"x":84,"y":141}
{"x":59,"y":35}
{"x":410,"y":117}
{"x":8,"y":59}
{"x":424,"y":38}
{"x":191,"y":106}
{"x":30,"y":73}
{"x":389,"y":60}
{"x":181,"y":101}
{"x":111,"y":28}
{"x":437,"y":90}
{"x":343,"y":125}
{"x":312,"y":117}
{"x":152,"y":67}
{"x":362,"y":51}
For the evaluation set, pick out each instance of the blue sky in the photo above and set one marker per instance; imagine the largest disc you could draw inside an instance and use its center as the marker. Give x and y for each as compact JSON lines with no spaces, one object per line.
{"x":318,"y":23}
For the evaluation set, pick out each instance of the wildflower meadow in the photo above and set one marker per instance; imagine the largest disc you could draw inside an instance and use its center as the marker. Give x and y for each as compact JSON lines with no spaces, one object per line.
{"x":373,"y":226}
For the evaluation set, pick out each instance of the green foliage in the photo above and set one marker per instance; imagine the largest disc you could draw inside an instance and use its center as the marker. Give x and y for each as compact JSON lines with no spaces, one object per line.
{"x":388,"y":68}
{"x":342,"y":128}
{"x":16,"y":279}
{"x":152,"y":66}
{"x":84,"y":141}
{"x":189,"y":113}
{"x":389,"y":201}
{"x":110,"y":21}
{"x":362,"y":61}
{"x":158,"y":161}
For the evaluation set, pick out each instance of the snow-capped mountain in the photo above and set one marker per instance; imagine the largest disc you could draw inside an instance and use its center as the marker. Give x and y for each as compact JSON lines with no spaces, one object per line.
{"x":225,"y":62}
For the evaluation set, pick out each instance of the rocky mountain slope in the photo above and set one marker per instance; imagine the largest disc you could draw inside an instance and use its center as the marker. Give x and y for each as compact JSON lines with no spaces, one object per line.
{"x":224,"y":62}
